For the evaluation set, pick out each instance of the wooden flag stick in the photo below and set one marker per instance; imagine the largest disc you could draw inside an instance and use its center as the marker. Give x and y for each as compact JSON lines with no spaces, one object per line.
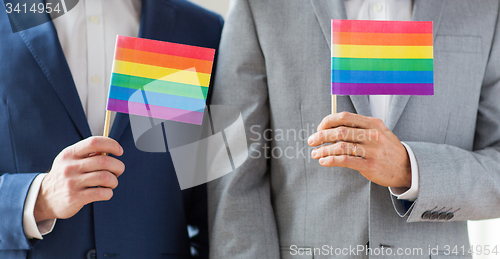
{"x":106,"y":126}
{"x":334,"y":103}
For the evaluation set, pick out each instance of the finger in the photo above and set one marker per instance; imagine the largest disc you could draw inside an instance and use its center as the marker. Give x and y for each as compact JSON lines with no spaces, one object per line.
{"x":350,"y":120}
{"x":337,"y":149}
{"x":96,"y":194}
{"x":353,"y":162}
{"x":341,"y":133}
{"x":99,"y":178}
{"x":102,"y":163}
{"x":97,"y":144}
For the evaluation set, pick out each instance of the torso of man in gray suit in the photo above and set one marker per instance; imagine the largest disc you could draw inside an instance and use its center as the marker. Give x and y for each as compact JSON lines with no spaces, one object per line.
{"x":274,"y":65}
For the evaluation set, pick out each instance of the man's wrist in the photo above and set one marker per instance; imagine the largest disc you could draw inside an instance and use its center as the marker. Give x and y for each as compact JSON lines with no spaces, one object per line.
{"x":411,"y":193}
{"x":40,"y":210}
{"x":29,"y":222}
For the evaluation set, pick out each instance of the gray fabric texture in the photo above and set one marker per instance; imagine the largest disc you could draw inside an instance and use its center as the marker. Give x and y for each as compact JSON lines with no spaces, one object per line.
{"x":274,"y":65}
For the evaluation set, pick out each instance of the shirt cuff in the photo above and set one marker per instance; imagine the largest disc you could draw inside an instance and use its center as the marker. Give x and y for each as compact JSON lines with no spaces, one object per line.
{"x":33,"y":229}
{"x":403,"y":193}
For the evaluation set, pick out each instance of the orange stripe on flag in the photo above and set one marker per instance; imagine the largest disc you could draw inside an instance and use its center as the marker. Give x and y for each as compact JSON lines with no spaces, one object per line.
{"x":388,"y":39}
{"x":162,"y":60}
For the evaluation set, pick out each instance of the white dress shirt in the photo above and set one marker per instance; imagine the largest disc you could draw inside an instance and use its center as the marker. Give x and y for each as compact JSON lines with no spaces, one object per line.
{"x":390,"y":10}
{"x":87,"y":35}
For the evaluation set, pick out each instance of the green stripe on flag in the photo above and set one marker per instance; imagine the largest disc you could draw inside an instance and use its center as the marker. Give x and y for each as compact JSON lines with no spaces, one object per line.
{"x":374,"y":64}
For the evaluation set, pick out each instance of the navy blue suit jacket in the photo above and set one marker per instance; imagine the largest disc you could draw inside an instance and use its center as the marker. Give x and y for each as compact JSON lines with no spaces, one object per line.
{"x":41,"y":114}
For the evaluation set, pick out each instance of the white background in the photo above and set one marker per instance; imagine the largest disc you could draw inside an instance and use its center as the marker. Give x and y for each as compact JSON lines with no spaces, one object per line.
{"x":482,"y":233}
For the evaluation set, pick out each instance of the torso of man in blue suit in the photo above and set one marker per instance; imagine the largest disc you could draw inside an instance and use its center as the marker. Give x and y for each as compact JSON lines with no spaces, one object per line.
{"x":41,"y":114}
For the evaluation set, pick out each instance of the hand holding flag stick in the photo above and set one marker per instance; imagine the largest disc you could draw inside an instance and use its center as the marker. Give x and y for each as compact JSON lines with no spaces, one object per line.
{"x":373,"y":58}
{"x":367,"y":146}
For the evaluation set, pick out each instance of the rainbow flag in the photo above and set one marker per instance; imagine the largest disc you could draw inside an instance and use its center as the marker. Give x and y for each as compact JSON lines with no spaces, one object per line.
{"x":160,"y":79}
{"x":382,"y":57}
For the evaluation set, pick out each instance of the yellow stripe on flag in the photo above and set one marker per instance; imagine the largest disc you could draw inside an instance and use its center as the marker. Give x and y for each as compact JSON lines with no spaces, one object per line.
{"x":161,"y":73}
{"x":371,"y":51}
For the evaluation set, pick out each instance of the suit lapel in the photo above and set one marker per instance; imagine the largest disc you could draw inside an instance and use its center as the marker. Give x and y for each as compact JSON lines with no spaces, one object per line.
{"x":423,"y":10}
{"x":158,"y":23}
{"x":43,"y":43}
{"x":326,"y":10}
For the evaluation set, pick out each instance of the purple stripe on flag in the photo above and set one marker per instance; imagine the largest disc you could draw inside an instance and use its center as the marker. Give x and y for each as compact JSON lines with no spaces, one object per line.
{"x":376,"y":89}
{"x":160,"y":112}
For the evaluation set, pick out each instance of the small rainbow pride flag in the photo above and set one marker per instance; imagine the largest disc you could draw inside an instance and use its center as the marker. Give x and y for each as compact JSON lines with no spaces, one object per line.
{"x":382,"y":57}
{"x":160,"y":79}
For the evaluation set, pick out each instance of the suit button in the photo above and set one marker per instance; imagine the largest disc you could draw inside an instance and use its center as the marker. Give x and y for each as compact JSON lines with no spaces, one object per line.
{"x":91,"y":254}
{"x":449,"y":216}
{"x":426,"y":215}
{"x":442,"y":215}
{"x":434,"y":215}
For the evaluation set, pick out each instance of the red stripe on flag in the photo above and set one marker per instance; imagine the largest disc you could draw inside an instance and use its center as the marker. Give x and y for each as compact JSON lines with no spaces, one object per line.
{"x":165,"y":48}
{"x":381,"y":26}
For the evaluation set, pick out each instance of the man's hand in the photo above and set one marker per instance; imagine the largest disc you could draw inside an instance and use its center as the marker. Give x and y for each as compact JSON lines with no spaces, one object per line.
{"x":79,"y":175}
{"x":363,"y":144}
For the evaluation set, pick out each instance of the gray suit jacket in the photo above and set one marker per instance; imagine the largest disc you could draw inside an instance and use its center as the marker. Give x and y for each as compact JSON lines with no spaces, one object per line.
{"x":274,"y":65}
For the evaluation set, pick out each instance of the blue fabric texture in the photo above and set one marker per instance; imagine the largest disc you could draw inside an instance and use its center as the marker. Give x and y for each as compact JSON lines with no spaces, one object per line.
{"x":41,"y":114}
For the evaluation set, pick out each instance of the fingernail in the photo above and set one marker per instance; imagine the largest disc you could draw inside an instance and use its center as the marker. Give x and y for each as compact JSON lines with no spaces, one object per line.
{"x":310,"y":140}
{"x":314,"y":153}
{"x":322,"y":160}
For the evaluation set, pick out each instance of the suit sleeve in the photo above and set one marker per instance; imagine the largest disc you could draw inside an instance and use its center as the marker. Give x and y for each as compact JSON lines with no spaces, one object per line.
{"x":241,"y":218}
{"x":13,"y":191}
{"x":466,"y":183}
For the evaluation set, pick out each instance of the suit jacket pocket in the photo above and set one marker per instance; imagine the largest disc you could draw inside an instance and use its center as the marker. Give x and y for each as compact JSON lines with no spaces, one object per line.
{"x":451,"y":43}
